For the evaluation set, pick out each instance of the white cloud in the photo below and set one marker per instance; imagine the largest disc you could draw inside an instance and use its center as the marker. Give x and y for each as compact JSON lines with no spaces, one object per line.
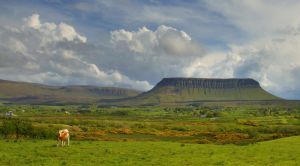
{"x":164,"y":41}
{"x":275,"y":63}
{"x":150,"y":54}
{"x":258,"y":18}
{"x":16,"y":45}
{"x":211,"y":65}
{"x":33,"y":21}
{"x":51,"y":53}
{"x":69,"y":33}
{"x":52,"y":31}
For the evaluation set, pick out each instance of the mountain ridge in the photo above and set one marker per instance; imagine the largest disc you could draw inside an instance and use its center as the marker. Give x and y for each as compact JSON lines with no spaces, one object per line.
{"x":181,"y":90}
{"x":209,"y":82}
{"x":25,"y":92}
{"x":168,"y":90}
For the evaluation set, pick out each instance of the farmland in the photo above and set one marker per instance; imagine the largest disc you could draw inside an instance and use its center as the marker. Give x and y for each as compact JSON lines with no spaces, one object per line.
{"x":154,"y":135}
{"x":219,"y":125}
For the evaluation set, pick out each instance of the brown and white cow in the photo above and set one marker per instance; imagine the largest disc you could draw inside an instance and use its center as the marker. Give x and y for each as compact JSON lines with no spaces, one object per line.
{"x":63,"y":137}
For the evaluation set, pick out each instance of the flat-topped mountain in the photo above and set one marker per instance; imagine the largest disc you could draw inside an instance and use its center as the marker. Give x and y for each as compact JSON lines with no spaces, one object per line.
{"x":178,"y":90}
{"x":23,"y":92}
{"x":208,"y":83}
{"x":168,"y":90}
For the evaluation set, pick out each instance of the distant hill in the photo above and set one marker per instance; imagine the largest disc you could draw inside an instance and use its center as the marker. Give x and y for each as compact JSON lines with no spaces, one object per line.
{"x":168,"y":90}
{"x":23,"y":92}
{"x":178,"y":90}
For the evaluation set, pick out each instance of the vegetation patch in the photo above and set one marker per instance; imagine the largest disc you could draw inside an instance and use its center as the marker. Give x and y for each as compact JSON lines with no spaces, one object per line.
{"x":279,"y":152}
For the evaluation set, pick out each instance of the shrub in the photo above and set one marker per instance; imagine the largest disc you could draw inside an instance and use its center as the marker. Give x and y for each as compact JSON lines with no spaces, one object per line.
{"x":140,"y":125}
{"x":211,"y":114}
{"x":252,"y":133}
{"x":16,"y":128}
{"x":179,"y":128}
{"x":119,"y":113}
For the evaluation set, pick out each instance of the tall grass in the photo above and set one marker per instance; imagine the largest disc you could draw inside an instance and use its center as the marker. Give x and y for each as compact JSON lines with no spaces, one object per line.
{"x":20,"y":128}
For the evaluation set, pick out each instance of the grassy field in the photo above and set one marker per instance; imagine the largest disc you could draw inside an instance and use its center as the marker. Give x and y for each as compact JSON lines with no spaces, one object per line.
{"x":285,"y":151}
{"x":190,"y":135}
{"x":220,"y":125}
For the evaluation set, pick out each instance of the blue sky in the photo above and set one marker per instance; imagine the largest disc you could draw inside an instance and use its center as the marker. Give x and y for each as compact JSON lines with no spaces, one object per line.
{"x":95,"y":17}
{"x":134,"y":44}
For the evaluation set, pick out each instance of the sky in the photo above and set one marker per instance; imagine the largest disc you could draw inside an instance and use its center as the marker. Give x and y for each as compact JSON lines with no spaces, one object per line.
{"x":135,"y":43}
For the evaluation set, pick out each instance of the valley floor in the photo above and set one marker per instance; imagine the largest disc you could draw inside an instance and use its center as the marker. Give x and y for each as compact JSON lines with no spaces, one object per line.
{"x":285,"y":151}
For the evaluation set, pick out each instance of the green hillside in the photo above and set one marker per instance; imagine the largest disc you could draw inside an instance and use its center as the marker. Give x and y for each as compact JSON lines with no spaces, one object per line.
{"x":22,"y":92}
{"x":178,"y":90}
{"x":195,"y":94}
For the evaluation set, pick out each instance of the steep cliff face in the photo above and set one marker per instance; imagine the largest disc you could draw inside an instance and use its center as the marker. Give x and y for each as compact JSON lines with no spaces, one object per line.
{"x":208,"y":83}
{"x":170,"y":90}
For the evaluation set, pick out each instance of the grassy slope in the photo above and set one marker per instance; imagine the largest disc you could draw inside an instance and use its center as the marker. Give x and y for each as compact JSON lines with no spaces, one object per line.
{"x":284,"y":151}
{"x":172,"y":95}
{"x":43,"y":93}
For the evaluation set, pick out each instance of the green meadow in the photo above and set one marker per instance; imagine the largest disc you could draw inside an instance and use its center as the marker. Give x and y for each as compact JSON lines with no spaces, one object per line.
{"x":188,"y":135}
{"x":285,"y":151}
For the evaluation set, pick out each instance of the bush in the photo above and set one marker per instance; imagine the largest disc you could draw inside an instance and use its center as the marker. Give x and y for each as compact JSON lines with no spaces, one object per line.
{"x":119,"y":113}
{"x":252,"y":133}
{"x":179,"y":128}
{"x":16,"y":128}
{"x":140,"y":125}
{"x":211,"y":114}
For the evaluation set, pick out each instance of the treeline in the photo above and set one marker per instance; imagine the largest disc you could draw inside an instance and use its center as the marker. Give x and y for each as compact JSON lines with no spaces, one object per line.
{"x":20,"y":128}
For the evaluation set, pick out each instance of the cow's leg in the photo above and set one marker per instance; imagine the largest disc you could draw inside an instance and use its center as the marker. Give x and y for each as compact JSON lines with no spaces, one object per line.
{"x":68,"y":141}
{"x":58,"y":142}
